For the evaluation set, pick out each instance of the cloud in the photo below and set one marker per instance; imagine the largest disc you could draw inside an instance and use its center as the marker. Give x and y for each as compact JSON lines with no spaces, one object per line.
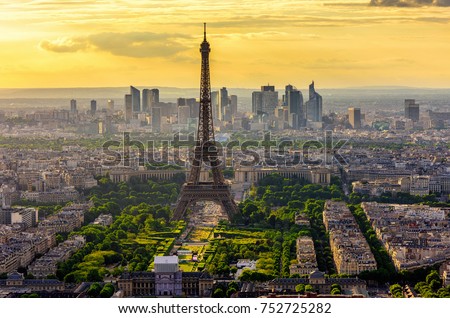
{"x":63,"y":45}
{"x":139,"y":44}
{"x":410,"y":3}
{"x":130,"y":44}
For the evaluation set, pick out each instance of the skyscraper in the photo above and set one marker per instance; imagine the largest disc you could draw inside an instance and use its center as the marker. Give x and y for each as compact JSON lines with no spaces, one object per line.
{"x":293,"y":99}
{"x":412,"y":110}
{"x":154,"y":97}
{"x":110,"y":104}
{"x":354,"y":117}
{"x":73,"y":106}
{"x":265,"y":101}
{"x":287,"y":89}
{"x":194,"y":105}
{"x":233,"y":104}
{"x":314,"y":105}
{"x":223,"y":103}
{"x":256,"y":102}
{"x":156,"y":119}
{"x":184,"y":113}
{"x":135,"y":99}
{"x":145,"y":100}
{"x":150,"y":98}
{"x":215,"y":104}
{"x":93,"y":107}
{"x":128,"y":108}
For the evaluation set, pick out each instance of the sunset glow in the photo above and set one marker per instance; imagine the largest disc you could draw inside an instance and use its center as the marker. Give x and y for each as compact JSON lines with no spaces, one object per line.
{"x":342,"y":43}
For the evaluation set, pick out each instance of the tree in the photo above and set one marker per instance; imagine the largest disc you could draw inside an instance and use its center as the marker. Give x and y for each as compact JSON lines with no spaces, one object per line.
{"x":336,"y":286}
{"x":300,"y":288}
{"x":435,"y":284}
{"x":335,"y":291}
{"x":107,"y":291}
{"x":218,"y":293}
{"x":94,"y":276}
{"x":433,"y":275}
{"x":70,"y":278}
{"x":396,"y":291}
{"x":121,"y":234}
{"x":94,"y":290}
{"x":309,"y":288}
{"x":233,"y":285}
{"x":230,"y":291}
{"x":249,"y":208}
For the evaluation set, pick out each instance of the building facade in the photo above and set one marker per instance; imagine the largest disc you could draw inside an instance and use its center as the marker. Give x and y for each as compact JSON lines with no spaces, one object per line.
{"x":135,"y":99}
{"x":314,"y":105}
{"x":265,"y":101}
{"x":354,"y":117}
{"x":412,"y":110}
{"x":167,"y":280}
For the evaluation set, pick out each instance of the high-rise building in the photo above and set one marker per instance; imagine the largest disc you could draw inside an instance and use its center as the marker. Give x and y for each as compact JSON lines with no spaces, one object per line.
{"x":194,"y":105}
{"x":181,"y":101}
{"x":233,"y":105}
{"x":93,"y":107}
{"x":184,"y":113}
{"x":156,"y":119}
{"x":145,"y":100}
{"x":215,"y":104}
{"x":73,"y":106}
{"x":128,"y":108}
{"x":110,"y":105}
{"x":154,"y":97}
{"x":354,"y":117}
{"x":265,"y":101}
{"x":150,"y":98}
{"x":135,"y":99}
{"x":412,"y":110}
{"x":256,"y":102}
{"x":223,"y":103}
{"x":314,"y":105}
{"x":293,"y":99}
{"x":288,"y":88}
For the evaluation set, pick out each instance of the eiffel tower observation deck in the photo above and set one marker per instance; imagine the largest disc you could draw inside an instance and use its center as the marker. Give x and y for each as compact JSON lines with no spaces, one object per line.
{"x":205,"y":154}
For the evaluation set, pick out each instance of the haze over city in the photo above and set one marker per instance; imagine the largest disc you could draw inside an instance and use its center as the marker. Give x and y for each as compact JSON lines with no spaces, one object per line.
{"x":344,"y":43}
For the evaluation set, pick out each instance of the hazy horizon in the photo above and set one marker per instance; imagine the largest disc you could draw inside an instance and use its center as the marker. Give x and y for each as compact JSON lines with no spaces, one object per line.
{"x":334,"y":99}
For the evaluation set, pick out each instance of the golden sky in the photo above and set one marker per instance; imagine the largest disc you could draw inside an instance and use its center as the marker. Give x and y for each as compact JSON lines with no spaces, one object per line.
{"x":338,"y":43}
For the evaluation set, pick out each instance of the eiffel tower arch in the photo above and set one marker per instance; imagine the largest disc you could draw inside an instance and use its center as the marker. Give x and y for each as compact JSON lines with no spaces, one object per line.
{"x":205,"y":153}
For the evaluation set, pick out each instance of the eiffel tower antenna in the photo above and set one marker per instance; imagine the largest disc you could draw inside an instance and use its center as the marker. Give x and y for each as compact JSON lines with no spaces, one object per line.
{"x":204,"y":31}
{"x":205,"y":152}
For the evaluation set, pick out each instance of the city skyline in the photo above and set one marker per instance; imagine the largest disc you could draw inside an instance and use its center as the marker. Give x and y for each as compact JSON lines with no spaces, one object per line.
{"x":341,"y":43}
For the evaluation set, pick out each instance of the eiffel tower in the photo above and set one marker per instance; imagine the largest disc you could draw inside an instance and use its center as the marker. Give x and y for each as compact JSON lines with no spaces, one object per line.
{"x":205,"y":152}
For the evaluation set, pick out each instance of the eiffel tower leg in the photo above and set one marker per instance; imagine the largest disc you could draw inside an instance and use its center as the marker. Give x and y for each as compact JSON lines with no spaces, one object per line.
{"x":230,"y":208}
{"x":179,"y":211}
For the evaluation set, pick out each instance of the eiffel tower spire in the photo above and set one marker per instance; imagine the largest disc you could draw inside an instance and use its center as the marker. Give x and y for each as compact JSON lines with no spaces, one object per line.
{"x":205,"y":152}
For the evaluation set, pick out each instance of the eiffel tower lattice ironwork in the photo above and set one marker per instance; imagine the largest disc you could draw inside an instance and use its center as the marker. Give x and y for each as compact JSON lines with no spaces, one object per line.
{"x":205,"y":152}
